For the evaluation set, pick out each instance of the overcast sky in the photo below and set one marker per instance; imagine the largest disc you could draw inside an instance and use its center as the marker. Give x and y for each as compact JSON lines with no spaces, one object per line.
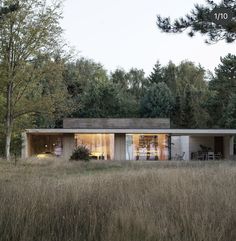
{"x":123,"y":33}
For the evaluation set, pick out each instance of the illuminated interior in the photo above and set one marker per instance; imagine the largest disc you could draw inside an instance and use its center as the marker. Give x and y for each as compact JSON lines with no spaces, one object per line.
{"x":147,"y":147}
{"x":44,"y":145}
{"x":101,"y":146}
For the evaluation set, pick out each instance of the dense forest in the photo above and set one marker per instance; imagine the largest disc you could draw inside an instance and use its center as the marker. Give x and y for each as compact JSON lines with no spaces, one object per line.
{"x":41,"y":83}
{"x":186,"y":93}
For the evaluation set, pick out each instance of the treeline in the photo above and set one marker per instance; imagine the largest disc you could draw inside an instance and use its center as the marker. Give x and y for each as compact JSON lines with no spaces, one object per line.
{"x":186,"y":93}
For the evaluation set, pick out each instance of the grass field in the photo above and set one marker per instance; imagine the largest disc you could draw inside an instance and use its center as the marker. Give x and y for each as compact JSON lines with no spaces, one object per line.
{"x":129,"y":201}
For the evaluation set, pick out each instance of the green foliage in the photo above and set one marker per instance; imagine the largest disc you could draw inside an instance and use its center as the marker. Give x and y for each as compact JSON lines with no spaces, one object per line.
{"x":16,"y":145}
{"x":81,"y":153}
{"x":158,"y":101}
{"x":105,"y":101}
{"x":199,"y":21}
{"x":170,"y":76}
{"x":187,"y":114}
{"x":176,"y":113}
{"x":137,"y":82}
{"x":230,"y":113}
{"x":157,"y":74}
{"x":223,"y":85}
{"x":120,"y":78}
{"x":31,"y":60}
{"x":95,"y":94}
{"x":190,"y":74}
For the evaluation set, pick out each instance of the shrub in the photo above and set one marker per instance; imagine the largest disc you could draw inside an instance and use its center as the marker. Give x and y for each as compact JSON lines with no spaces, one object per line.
{"x":81,"y":153}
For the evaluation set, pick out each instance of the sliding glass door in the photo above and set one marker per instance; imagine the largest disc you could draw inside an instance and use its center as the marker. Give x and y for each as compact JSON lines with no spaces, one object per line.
{"x":147,"y":147}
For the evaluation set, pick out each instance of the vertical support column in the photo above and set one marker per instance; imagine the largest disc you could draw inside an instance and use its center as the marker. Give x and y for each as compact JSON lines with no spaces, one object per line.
{"x":231,"y":146}
{"x":24,"y":147}
{"x":68,"y":145}
{"x":120,"y":147}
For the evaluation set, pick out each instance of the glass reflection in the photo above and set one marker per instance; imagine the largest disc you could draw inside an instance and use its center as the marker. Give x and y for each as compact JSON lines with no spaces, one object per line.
{"x":101,"y":146}
{"x":147,"y":147}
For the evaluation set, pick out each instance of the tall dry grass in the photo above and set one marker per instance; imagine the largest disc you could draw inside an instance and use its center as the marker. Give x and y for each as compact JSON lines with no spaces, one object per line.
{"x":184,"y":203}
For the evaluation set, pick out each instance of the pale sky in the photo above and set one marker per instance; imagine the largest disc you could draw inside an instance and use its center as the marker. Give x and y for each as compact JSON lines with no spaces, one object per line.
{"x":123,"y":33}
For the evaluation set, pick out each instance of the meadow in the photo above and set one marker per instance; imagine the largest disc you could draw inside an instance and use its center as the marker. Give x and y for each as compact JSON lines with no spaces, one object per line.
{"x":55,"y":200}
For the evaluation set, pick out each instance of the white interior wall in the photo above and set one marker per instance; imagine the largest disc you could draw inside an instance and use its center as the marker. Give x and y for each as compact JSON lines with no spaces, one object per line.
{"x":180,"y":144}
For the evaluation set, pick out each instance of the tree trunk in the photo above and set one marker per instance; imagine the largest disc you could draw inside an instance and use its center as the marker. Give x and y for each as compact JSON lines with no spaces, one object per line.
{"x":8,"y":144}
{"x":9,"y":121}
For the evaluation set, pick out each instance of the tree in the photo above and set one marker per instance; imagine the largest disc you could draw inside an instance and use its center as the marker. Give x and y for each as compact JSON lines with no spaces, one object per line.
{"x":51,"y":86}
{"x":176,"y":112}
{"x":156,"y":75}
{"x":131,"y":86}
{"x":82,"y":78}
{"x":190,"y":74}
{"x":223,"y":85}
{"x":187,"y":118}
{"x":170,"y":76}
{"x":26,"y":34}
{"x":101,"y":99}
{"x":6,"y":10}
{"x":137,"y":83}
{"x":157,"y":102}
{"x":199,"y":21}
{"x":224,"y":81}
{"x":230,"y":113}
{"x":120,"y":78}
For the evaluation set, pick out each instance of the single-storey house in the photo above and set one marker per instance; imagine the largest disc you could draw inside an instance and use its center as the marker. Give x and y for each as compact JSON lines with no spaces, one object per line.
{"x":130,"y":139}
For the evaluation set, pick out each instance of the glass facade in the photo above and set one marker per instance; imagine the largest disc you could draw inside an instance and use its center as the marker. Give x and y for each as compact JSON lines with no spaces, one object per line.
{"x":147,"y":147}
{"x":46,"y":144}
{"x":101,"y":146}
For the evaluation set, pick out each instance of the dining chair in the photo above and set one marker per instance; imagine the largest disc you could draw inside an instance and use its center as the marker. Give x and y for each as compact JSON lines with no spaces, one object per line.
{"x":210,"y":155}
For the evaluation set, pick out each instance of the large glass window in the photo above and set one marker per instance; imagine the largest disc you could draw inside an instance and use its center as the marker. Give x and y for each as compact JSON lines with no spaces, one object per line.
{"x":147,"y":147}
{"x":101,"y":146}
{"x":46,"y":144}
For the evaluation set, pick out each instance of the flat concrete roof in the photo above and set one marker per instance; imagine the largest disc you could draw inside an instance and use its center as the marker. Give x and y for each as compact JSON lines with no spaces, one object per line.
{"x":116,"y":123}
{"x":135,"y":131}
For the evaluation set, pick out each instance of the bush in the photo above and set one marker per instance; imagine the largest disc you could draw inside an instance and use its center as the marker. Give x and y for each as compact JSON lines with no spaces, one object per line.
{"x":81,"y":153}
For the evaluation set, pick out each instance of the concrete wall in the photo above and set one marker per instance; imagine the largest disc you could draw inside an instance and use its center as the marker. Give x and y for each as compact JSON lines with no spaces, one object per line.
{"x":179,"y":145}
{"x":68,"y":145}
{"x":24,"y":147}
{"x":120,"y":153}
{"x":229,"y":147}
{"x":113,"y":123}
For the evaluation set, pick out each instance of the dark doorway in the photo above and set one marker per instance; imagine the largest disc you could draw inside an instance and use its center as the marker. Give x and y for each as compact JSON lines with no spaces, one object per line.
{"x":219,"y":145}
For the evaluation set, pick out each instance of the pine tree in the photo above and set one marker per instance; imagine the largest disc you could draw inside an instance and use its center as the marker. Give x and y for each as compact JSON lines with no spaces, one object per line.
{"x":157,"y":102}
{"x":230,"y":113}
{"x":170,"y":76}
{"x":157,"y":74}
{"x":187,"y":118}
{"x":224,"y":85}
{"x":199,"y":20}
{"x":176,"y":114}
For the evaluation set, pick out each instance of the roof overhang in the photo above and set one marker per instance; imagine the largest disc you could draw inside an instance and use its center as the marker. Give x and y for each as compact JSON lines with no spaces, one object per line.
{"x":175,"y":132}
